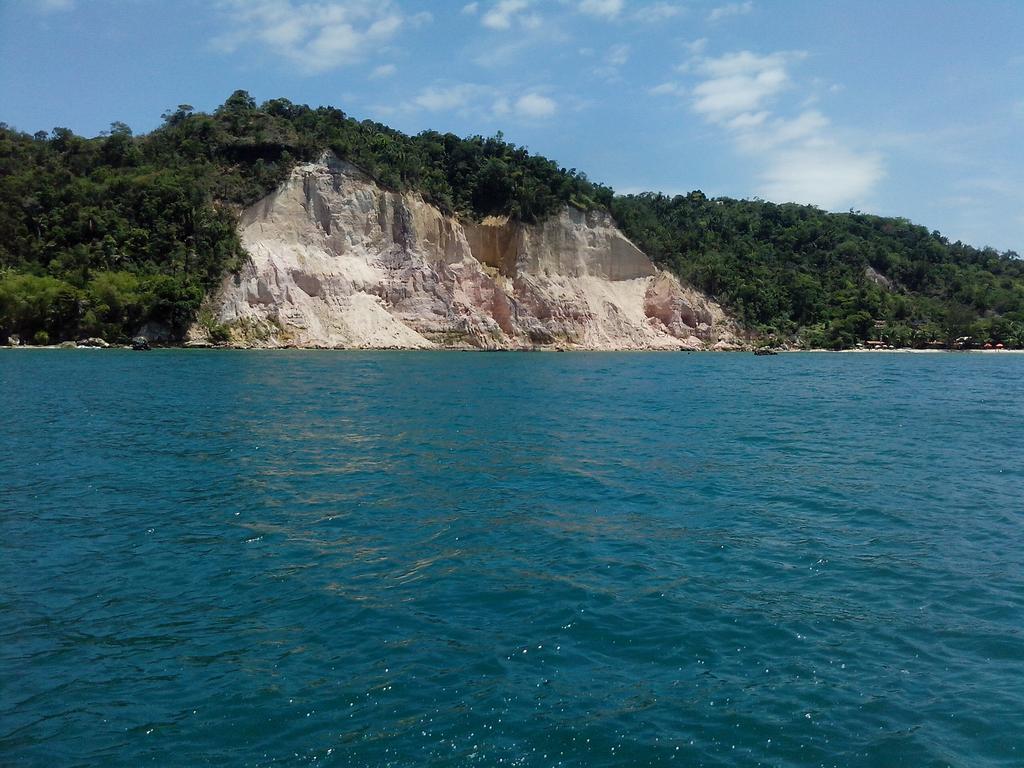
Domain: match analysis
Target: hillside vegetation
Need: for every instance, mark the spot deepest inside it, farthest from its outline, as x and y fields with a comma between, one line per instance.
x=831, y=279
x=101, y=236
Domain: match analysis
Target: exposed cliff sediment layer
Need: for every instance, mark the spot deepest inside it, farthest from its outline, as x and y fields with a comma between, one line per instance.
x=337, y=261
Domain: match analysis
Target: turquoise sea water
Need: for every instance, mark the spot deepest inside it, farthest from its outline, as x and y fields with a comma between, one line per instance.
x=404, y=559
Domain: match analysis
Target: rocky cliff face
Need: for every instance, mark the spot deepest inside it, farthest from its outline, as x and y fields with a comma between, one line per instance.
x=336, y=261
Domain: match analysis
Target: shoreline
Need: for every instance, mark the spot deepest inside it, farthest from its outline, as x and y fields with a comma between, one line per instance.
x=906, y=351
x=911, y=351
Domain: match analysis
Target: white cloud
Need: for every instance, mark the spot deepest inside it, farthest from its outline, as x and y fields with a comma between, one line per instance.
x=729, y=10
x=535, y=106
x=821, y=172
x=470, y=9
x=656, y=12
x=46, y=6
x=772, y=133
x=666, y=89
x=696, y=47
x=316, y=38
x=504, y=13
x=485, y=101
x=384, y=70
x=449, y=99
x=739, y=82
x=607, y=9
x=747, y=120
x=696, y=50
x=616, y=57
x=799, y=157
x=505, y=54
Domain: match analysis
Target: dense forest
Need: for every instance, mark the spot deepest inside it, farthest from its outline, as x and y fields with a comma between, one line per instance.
x=831, y=279
x=101, y=236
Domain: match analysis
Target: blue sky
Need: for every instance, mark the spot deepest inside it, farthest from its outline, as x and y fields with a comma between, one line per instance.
x=907, y=108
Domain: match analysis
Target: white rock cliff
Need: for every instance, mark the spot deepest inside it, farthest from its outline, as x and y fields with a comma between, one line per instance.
x=337, y=261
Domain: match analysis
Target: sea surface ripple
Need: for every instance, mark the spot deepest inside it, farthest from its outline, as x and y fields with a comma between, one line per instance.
x=404, y=559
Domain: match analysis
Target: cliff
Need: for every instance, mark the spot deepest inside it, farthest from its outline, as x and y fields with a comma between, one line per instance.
x=119, y=236
x=337, y=261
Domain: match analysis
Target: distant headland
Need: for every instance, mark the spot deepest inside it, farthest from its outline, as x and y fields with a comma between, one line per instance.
x=282, y=225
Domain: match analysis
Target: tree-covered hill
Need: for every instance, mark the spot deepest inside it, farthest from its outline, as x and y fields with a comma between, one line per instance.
x=831, y=279
x=100, y=236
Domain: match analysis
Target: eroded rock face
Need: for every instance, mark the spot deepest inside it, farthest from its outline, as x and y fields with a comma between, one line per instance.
x=337, y=261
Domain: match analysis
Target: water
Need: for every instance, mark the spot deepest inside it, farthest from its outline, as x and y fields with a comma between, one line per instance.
x=404, y=559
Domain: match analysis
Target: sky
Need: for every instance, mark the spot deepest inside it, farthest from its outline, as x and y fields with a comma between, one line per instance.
x=895, y=107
